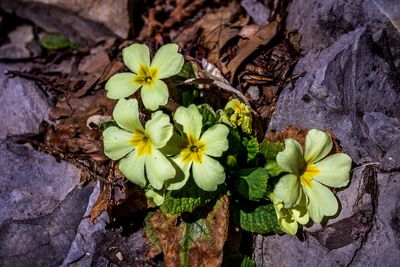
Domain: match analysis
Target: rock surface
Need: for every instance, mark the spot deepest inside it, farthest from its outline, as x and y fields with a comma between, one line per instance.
x=23, y=105
x=84, y=22
x=321, y=23
x=350, y=87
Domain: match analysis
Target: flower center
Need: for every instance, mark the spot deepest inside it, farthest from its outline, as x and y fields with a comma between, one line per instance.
x=194, y=150
x=310, y=172
x=146, y=75
x=142, y=142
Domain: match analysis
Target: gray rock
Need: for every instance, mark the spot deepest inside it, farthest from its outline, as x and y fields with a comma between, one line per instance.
x=256, y=10
x=23, y=105
x=21, y=44
x=84, y=22
x=351, y=88
x=41, y=206
x=54, y=18
x=343, y=83
x=391, y=8
x=112, y=14
x=321, y=23
x=88, y=235
x=32, y=183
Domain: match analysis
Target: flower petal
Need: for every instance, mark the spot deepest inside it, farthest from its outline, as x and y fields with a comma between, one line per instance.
x=121, y=85
x=126, y=114
x=216, y=140
x=208, y=174
x=133, y=168
x=158, y=169
x=155, y=95
x=291, y=159
x=191, y=120
x=159, y=129
x=321, y=202
x=288, y=226
x=299, y=212
x=318, y=145
x=182, y=174
x=158, y=196
x=168, y=61
x=136, y=55
x=117, y=142
x=288, y=190
x=334, y=171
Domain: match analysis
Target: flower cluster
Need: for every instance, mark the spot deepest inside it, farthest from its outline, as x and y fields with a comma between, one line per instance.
x=303, y=189
x=237, y=114
x=143, y=151
x=167, y=150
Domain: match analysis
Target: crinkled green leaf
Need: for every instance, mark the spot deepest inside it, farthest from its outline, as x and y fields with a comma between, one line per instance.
x=269, y=150
x=239, y=260
x=252, y=183
x=260, y=219
x=188, y=198
x=55, y=41
x=208, y=114
x=252, y=147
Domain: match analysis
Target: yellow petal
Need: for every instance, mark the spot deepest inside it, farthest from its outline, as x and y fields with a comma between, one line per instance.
x=321, y=202
x=126, y=115
x=216, y=140
x=190, y=119
x=117, y=142
x=208, y=174
x=168, y=61
x=288, y=190
x=159, y=129
x=133, y=168
x=291, y=159
x=158, y=169
x=155, y=95
x=136, y=55
x=121, y=85
x=318, y=145
x=334, y=171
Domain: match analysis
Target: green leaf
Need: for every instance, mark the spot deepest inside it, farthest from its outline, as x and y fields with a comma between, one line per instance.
x=252, y=147
x=188, y=198
x=187, y=71
x=238, y=260
x=55, y=41
x=259, y=219
x=107, y=124
x=209, y=118
x=269, y=150
x=252, y=183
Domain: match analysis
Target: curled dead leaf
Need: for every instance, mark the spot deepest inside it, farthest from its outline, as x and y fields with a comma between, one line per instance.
x=261, y=37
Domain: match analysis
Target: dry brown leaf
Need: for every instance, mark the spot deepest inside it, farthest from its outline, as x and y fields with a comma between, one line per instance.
x=262, y=37
x=218, y=28
x=202, y=249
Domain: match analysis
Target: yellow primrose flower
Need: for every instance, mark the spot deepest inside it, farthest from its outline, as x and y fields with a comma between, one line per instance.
x=289, y=218
x=237, y=114
x=309, y=172
x=167, y=62
x=139, y=147
x=196, y=151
